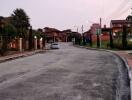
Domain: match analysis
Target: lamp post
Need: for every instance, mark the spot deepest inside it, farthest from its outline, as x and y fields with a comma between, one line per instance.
x=41, y=42
x=35, y=42
x=30, y=43
x=43, y=37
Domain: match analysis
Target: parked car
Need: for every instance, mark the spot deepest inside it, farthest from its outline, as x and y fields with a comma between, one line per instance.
x=54, y=46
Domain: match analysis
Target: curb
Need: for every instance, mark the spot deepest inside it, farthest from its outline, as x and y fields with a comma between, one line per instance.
x=98, y=49
x=129, y=70
x=21, y=55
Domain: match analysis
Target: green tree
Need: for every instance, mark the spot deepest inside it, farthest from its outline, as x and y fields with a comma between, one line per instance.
x=124, y=37
x=129, y=18
x=21, y=21
x=10, y=30
x=7, y=33
x=111, y=38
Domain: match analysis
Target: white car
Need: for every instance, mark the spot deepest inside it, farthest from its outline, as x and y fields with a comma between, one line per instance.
x=54, y=46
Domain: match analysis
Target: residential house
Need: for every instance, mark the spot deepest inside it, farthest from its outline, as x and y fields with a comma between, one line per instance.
x=105, y=33
x=117, y=25
x=67, y=35
x=91, y=35
x=52, y=34
x=55, y=35
x=94, y=28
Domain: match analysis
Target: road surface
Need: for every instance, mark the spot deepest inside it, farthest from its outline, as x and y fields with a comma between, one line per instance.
x=69, y=73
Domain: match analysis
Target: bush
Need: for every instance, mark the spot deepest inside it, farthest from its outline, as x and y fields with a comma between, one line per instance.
x=129, y=45
x=118, y=45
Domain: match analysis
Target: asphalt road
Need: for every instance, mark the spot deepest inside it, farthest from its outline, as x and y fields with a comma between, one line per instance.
x=69, y=73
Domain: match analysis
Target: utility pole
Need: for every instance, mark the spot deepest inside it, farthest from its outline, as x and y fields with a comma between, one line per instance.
x=100, y=32
x=83, y=38
x=30, y=43
x=82, y=29
x=77, y=29
x=98, y=40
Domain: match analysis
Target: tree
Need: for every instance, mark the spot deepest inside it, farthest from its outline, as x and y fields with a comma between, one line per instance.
x=10, y=30
x=30, y=39
x=124, y=37
x=111, y=39
x=90, y=38
x=129, y=18
x=7, y=33
x=98, y=39
x=21, y=21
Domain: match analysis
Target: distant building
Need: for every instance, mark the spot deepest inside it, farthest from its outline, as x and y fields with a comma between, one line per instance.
x=91, y=35
x=54, y=35
x=94, y=28
x=105, y=33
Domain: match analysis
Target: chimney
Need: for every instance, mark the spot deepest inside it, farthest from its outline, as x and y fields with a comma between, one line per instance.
x=104, y=26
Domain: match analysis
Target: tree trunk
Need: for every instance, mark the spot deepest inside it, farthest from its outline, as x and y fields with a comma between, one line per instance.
x=30, y=40
x=124, y=37
x=91, y=43
x=111, y=40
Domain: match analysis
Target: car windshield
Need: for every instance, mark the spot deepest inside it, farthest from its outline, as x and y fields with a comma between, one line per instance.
x=54, y=44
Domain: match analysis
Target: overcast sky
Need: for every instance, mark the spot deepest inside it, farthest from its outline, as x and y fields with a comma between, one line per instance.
x=68, y=14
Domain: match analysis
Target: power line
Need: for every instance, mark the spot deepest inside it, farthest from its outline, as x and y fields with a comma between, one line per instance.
x=118, y=15
x=119, y=10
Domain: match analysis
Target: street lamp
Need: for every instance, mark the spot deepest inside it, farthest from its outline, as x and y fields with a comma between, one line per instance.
x=35, y=37
x=35, y=42
x=44, y=35
x=30, y=38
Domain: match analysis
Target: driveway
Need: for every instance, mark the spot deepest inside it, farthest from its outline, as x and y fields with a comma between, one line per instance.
x=69, y=73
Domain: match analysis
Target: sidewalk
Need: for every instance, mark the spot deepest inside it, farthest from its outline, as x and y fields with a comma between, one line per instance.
x=19, y=55
x=127, y=57
x=23, y=54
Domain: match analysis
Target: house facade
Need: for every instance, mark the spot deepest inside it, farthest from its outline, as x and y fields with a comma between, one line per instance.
x=117, y=25
x=94, y=28
x=54, y=35
x=92, y=33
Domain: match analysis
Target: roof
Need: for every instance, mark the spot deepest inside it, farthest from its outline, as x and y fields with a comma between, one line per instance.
x=120, y=21
x=87, y=32
x=67, y=31
x=106, y=29
x=48, y=29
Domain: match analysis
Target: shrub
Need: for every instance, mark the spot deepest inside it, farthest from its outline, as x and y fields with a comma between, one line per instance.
x=118, y=44
x=129, y=45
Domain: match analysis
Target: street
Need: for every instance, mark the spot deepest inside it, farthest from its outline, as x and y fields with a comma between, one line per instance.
x=69, y=73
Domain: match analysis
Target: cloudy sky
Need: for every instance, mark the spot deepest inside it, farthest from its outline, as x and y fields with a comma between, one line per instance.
x=68, y=14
